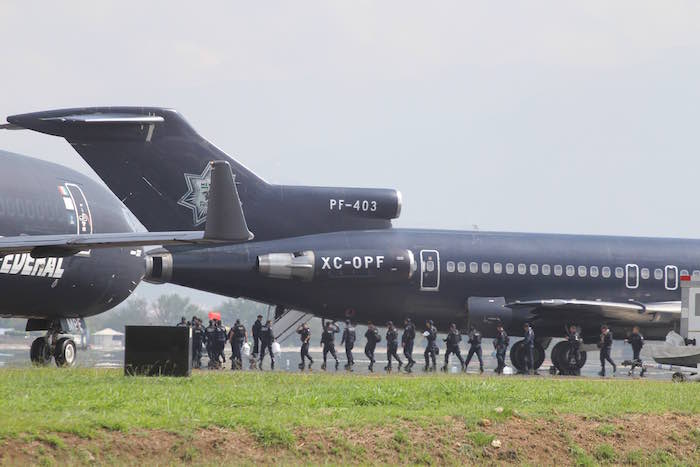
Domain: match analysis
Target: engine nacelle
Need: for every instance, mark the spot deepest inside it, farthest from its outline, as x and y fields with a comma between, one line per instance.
x=364, y=202
x=288, y=265
x=159, y=267
x=367, y=265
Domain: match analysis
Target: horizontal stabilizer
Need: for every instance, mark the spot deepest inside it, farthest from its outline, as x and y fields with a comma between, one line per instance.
x=67, y=245
x=135, y=119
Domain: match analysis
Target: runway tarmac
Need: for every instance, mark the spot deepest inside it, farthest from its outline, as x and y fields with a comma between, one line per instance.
x=18, y=356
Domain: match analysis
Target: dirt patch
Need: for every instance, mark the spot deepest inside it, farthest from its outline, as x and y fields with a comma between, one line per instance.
x=568, y=439
x=633, y=439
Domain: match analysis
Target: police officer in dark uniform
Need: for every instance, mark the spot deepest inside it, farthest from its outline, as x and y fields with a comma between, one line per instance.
x=220, y=338
x=266, y=340
x=500, y=343
x=373, y=337
x=573, y=358
x=454, y=337
x=475, y=348
x=210, y=342
x=407, y=339
x=197, y=340
x=605, y=345
x=349, y=340
x=431, y=347
x=223, y=338
x=182, y=323
x=636, y=340
x=392, y=345
x=328, y=343
x=529, y=342
x=257, y=325
x=237, y=336
x=305, y=336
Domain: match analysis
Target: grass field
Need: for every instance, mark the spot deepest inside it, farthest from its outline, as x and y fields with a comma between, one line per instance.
x=88, y=415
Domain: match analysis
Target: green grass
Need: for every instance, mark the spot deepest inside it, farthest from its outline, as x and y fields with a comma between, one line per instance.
x=580, y=457
x=605, y=453
x=271, y=405
x=606, y=429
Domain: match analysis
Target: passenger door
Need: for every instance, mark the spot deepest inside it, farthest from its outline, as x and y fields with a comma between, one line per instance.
x=671, y=277
x=430, y=270
x=632, y=276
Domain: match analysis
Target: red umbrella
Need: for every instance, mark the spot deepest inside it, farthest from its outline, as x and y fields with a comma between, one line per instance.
x=215, y=315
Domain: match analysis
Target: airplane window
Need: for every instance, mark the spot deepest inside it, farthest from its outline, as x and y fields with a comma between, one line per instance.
x=696, y=274
x=450, y=266
x=606, y=272
x=462, y=267
x=473, y=267
x=497, y=268
x=570, y=270
x=645, y=273
x=658, y=274
x=619, y=273
x=557, y=270
x=430, y=266
x=582, y=271
x=684, y=272
x=533, y=269
x=486, y=268
x=522, y=269
x=546, y=269
x=510, y=268
x=594, y=271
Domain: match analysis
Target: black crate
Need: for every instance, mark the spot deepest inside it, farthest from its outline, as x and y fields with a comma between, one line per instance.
x=158, y=351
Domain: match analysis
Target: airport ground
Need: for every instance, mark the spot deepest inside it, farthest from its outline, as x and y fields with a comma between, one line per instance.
x=88, y=415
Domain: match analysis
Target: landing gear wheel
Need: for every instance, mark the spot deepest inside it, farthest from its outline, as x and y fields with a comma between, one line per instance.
x=565, y=363
x=65, y=352
x=40, y=353
x=678, y=377
x=517, y=356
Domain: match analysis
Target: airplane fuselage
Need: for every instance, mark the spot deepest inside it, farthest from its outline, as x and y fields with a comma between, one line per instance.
x=440, y=273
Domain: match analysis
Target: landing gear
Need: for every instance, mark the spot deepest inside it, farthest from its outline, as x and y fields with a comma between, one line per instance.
x=40, y=353
x=566, y=363
x=517, y=356
x=64, y=352
x=54, y=345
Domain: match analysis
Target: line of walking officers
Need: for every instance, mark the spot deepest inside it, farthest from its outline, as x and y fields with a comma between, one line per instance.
x=214, y=338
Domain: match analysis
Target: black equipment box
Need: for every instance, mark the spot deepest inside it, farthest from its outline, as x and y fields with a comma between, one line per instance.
x=158, y=351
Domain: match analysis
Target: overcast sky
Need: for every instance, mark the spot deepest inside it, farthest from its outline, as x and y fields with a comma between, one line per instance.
x=574, y=117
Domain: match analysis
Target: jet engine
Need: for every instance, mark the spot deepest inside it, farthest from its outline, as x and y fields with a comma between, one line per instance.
x=159, y=267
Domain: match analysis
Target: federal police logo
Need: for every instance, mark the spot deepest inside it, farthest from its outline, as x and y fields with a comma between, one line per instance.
x=197, y=195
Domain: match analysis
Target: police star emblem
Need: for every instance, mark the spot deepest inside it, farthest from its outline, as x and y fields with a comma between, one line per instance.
x=197, y=194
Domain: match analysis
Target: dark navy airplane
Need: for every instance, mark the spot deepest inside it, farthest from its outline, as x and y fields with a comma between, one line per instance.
x=333, y=253
x=69, y=249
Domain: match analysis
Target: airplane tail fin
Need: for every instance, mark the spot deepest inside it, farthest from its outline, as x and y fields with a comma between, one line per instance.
x=159, y=166
x=151, y=158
